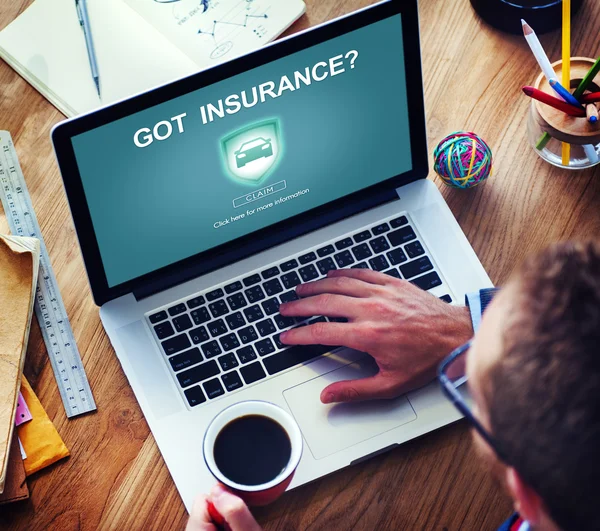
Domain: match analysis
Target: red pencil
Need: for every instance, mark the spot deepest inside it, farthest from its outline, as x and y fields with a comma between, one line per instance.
x=590, y=98
x=546, y=98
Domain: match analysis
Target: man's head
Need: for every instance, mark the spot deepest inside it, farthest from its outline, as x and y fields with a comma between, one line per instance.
x=534, y=372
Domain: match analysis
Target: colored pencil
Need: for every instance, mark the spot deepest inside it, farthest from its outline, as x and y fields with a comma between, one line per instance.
x=585, y=82
x=566, y=66
x=538, y=51
x=543, y=62
x=543, y=142
x=592, y=97
x=592, y=113
x=546, y=98
x=591, y=154
x=564, y=93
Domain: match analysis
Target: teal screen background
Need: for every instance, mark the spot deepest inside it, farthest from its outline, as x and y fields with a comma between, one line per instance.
x=154, y=206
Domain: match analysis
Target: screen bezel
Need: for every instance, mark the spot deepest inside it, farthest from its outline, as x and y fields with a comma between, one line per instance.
x=272, y=235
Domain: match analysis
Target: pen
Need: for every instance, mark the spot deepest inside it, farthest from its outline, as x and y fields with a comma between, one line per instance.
x=564, y=93
x=84, y=20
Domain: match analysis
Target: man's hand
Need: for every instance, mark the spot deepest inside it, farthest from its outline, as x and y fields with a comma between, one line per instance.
x=232, y=509
x=408, y=331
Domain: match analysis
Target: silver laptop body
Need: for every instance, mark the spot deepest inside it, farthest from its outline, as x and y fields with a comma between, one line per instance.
x=201, y=333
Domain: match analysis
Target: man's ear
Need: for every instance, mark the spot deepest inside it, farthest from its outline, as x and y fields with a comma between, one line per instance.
x=527, y=502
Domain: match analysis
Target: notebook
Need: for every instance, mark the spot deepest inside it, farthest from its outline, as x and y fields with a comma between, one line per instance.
x=139, y=44
x=19, y=263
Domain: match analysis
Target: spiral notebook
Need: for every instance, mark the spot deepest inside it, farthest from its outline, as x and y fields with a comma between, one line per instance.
x=139, y=44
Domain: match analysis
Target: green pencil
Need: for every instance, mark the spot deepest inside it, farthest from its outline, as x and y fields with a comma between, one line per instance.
x=543, y=141
x=585, y=82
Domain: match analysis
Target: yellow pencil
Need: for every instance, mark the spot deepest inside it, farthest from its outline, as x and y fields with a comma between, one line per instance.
x=566, y=65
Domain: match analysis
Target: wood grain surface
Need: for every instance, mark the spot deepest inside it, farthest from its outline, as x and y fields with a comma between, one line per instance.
x=116, y=479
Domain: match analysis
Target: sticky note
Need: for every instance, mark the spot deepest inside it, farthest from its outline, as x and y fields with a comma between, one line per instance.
x=23, y=413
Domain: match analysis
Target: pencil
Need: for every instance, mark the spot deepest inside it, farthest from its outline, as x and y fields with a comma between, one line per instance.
x=566, y=65
x=590, y=152
x=546, y=98
x=592, y=97
x=538, y=51
x=564, y=93
x=585, y=82
x=592, y=113
x=543, y=62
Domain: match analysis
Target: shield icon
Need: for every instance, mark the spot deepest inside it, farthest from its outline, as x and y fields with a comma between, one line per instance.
x=250, y=154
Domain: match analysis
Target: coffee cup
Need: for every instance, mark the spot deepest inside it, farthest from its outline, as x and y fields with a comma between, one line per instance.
x=253, y=448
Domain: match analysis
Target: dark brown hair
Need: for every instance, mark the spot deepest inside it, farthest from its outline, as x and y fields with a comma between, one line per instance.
x=544, y=397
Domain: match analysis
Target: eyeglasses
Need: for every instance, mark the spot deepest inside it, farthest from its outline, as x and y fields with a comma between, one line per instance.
x=453, y=379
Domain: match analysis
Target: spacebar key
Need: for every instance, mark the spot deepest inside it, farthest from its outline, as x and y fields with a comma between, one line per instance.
x=293, y=356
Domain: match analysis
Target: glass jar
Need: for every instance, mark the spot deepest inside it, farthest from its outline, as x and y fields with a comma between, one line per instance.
x=548, y=128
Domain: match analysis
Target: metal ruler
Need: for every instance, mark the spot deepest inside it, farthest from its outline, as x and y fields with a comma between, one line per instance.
x=49, y=307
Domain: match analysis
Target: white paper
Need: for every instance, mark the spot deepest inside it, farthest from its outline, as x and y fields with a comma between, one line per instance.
x=23, y=454
x=46, y=45
x=213, y=31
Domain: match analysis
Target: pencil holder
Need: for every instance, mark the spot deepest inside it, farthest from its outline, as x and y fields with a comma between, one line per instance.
x=548, y=128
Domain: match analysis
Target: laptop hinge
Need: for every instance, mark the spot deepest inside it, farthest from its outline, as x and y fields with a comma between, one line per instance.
x=206, y=265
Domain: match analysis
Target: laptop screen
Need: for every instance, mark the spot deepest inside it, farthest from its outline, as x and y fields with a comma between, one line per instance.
x=257, y=148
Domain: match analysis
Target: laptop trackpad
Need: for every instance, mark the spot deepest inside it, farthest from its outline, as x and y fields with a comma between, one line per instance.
x=329, y=428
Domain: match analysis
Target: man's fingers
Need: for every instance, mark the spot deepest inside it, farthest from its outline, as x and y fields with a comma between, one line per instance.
x=332, y=334
x=324, y=304
x=199, y=518
x=233, y=509
x=366, y=275
x=340, y=285
x=362, y=389
x=376, y=387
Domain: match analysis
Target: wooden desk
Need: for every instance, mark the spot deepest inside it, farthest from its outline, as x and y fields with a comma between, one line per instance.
x=116, y=479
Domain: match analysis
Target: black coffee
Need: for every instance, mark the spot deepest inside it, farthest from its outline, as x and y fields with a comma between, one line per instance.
x=252, y=450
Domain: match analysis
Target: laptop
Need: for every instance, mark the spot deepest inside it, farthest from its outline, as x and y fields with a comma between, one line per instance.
x=200, y=206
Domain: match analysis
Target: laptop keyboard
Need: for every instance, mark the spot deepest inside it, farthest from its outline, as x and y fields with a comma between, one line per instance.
x=227, y=338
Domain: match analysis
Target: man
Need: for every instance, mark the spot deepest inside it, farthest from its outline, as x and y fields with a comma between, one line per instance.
x=533, y=372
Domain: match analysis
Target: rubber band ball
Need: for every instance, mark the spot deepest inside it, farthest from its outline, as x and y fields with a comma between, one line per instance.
x=463, y=160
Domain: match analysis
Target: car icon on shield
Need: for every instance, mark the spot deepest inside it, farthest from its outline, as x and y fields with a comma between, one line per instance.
x=253, y=150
